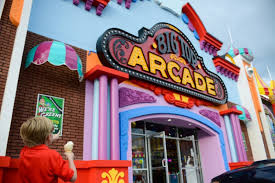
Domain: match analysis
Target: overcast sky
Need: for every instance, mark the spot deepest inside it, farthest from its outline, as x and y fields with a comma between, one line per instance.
x=252, y=25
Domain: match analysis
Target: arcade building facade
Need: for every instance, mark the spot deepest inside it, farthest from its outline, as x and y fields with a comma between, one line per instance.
x=143, y=97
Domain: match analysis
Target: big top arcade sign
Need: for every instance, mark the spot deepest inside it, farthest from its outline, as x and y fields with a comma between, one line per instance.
x=164, y=56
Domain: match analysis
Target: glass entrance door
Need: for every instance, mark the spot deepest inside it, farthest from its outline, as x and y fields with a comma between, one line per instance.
x=189, y=163
x=173, y=160
x=158, y=158
x=161, y=154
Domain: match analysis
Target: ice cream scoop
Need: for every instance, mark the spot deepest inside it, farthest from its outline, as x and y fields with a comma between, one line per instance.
x=69, y=146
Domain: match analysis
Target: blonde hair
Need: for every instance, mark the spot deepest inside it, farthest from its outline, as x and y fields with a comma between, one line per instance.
x=36, y=130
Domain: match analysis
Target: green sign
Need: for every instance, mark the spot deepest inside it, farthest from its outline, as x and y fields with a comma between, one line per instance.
x=52, y=108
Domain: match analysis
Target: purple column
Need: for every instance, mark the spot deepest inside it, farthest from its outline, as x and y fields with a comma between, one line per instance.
x=236, y=136
x=227, y=146
x=103, y=97
x=115, y=150
x=244, y=156
x=88, y=121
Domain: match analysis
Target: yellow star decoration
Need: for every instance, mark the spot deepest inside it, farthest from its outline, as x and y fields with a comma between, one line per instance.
x=113, y=176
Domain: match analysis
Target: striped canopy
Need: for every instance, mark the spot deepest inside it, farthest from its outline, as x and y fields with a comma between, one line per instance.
x=264, y=89
x=57, y=53
x=272, y=87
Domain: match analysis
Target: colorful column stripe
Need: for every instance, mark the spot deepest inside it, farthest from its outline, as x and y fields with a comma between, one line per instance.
x=103, y=135
x=95, y=121
x=102, y=140
x=115, y=147
x=243, y=152
x=230, y=139
x=236, y=136
x=108, y=123
x=88, y=121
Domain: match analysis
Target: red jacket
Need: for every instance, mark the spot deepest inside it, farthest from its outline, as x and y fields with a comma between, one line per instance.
x=41, y=164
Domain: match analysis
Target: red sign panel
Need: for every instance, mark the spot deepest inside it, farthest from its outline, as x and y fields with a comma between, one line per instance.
x=162, y=55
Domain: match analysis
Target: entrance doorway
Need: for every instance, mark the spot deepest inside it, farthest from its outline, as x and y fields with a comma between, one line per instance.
x=164, y=154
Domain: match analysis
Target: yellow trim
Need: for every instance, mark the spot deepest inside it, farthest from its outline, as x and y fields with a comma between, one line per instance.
x=174, y=28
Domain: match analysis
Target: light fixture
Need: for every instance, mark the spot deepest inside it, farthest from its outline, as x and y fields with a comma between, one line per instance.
x=249, y=70
x=189, y=124
x=169, y=119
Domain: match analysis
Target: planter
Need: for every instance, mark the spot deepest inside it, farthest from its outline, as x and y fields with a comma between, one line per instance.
x=94, y=171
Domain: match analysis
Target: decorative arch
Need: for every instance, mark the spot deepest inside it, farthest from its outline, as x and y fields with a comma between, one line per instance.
x=195, y=19
x=125, y=116
x=207, y=42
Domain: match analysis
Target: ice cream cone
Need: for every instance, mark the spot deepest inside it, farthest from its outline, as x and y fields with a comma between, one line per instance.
x=69, y=146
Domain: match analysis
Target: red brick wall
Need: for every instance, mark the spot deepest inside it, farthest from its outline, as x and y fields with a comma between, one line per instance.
x=7, y=35
x=51, y=80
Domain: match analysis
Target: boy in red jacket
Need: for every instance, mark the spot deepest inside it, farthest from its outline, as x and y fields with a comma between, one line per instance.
x=39, y=163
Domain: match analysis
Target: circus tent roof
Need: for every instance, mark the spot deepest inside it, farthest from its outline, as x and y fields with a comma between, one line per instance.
x=263, y=88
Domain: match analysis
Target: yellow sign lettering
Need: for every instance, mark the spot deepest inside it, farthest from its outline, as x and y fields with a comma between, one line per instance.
x=199, y=85
x=170, y=67
x=157, y=63
x=187, y=78
x=210, y=86
x=137, y=58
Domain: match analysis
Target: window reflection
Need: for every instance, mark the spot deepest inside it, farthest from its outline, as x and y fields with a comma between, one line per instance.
x=138, y=127
x=154, y=127
x=138, y=152
x=140, y=176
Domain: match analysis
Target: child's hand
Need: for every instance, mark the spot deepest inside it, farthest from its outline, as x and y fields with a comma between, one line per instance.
x=69, y=155
x=56, y=136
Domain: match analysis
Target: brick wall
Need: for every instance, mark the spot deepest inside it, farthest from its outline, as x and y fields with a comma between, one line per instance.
x=56, y=81
x=7, y=36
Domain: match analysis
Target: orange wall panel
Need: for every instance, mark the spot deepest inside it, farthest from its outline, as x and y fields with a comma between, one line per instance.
x=16, y=11
x=256, y=102
x=92, y=61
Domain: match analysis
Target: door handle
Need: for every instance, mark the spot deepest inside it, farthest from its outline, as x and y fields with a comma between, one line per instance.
x=164, y=163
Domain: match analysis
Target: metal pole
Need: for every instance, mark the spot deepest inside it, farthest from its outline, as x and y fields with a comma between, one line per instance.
x=165, y=158
x=195, y=158
x=179, y=159
x=150, y=160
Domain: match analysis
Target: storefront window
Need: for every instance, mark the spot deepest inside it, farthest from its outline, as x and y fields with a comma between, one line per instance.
x=244, y=142
x=139, y=158
x=154, y=127
x=272, y=129
x=140, y=176
x=138, y=152
x=138, y=127
x=183, y=132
